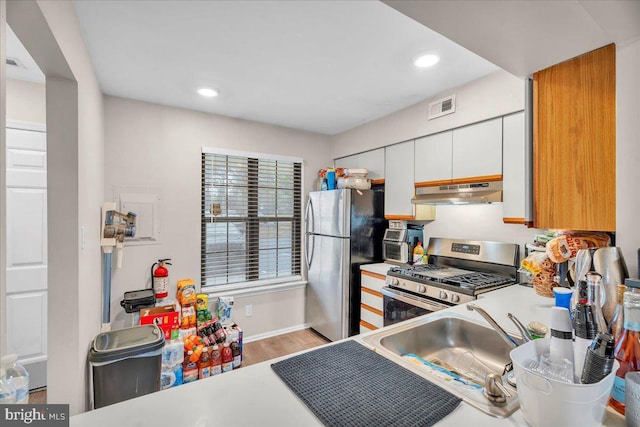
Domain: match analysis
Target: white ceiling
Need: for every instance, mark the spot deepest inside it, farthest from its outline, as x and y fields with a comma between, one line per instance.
x=523, y=37
x=322, y=66
x=326, y=66
x=16, y=50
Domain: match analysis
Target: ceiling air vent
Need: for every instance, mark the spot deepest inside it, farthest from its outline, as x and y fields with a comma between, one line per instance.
x=442, y=107
x=13, y=62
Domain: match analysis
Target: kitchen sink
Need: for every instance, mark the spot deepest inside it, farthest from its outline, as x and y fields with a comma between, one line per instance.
x=456, y=344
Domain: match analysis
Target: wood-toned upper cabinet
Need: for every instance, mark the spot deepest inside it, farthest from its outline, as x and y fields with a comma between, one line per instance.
x=433, y=158
x=574, y=159
x=513, y=169
x=372, y=160
x=477, y=150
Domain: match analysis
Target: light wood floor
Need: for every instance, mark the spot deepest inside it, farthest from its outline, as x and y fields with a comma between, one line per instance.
x=253, y=352
x=281, y=345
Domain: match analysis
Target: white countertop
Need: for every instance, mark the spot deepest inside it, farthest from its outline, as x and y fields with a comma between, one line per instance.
x=379, y=268
x=255, y=396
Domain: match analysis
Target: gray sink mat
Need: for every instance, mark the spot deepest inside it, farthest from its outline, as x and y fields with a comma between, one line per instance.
x=349, y=385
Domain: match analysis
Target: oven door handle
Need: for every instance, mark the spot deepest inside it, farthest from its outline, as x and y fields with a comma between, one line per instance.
x=409, y=299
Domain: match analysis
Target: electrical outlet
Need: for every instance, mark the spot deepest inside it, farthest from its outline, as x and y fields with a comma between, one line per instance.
x=248, y=310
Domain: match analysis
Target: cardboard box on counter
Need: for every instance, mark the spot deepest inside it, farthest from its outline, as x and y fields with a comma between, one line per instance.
x=166, y=317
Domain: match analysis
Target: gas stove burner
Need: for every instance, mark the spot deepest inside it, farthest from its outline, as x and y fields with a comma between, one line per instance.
x=413, y=270
x=416, y=267
x=477, y=280
x=427, y=267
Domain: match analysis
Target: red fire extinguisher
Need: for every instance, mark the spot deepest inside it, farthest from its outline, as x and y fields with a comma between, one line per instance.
x=160, y=278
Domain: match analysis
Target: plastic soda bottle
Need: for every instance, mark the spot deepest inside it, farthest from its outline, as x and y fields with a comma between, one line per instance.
x=418, y=253
x=235, y=352
x=18, y=376
x=7, y=392
x=216, y=360
x=204, y=365
x=227, y=358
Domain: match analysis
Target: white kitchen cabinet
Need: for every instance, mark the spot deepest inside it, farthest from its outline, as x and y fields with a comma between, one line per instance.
x=399, y=186
x=477, y=150
x=372, y=160
x=371, y=306
x=346, y=162
x=513, y=169
x=399, y=180
x=365, y=327
x=433, y=160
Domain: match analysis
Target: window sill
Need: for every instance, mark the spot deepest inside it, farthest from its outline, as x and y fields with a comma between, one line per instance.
x=251, y=289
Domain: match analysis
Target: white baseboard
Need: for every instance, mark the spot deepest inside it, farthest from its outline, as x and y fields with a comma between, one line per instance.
x=275, y=333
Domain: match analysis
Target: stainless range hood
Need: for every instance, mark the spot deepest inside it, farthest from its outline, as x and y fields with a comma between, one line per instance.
x=481, y=192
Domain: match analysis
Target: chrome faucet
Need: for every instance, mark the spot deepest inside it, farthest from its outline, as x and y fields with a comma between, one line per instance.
x=526, y=336
x=510, y=341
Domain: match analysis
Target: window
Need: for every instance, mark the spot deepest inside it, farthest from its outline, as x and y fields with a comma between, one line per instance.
x=251, y=217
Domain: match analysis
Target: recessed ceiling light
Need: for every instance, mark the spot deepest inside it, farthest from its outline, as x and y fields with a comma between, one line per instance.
x=208, y=92
x=426, y=60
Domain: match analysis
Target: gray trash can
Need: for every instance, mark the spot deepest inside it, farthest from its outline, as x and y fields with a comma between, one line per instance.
x=125, y=364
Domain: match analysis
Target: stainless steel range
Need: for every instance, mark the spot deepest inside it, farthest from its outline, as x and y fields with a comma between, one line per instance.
x=458, y=271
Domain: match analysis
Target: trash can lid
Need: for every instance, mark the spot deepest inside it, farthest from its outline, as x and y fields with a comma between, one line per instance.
x=126, y=342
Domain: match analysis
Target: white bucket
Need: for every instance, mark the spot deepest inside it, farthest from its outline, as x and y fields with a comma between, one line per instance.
x=546, y=402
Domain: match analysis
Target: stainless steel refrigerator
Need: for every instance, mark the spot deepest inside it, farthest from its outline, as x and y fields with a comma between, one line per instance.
x=344, y=229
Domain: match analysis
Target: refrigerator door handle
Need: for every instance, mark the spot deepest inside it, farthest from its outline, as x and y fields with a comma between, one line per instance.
x=309, y=215
x=308, y=258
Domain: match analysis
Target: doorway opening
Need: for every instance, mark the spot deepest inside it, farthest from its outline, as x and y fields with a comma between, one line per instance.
x=26, y=213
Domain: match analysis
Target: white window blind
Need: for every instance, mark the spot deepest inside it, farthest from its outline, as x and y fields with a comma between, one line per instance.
x=251, y=218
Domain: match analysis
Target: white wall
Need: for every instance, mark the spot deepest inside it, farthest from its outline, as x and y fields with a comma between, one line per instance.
x=26, y=101
x=149, y=145
x=628, y=152
x=51, y=33
x=64, y=24
x=477, y=222
x=495, y=95
x=3, y=167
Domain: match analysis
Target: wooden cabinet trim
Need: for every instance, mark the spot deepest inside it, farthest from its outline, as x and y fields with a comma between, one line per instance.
x=377, y=181
x=475, y=179
x=372, y=292
x=368, y=325
x=371, y=309
x=432, y=183
x=513, y=220
x=399, y=217
x=470, y=180
x=375, y=275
